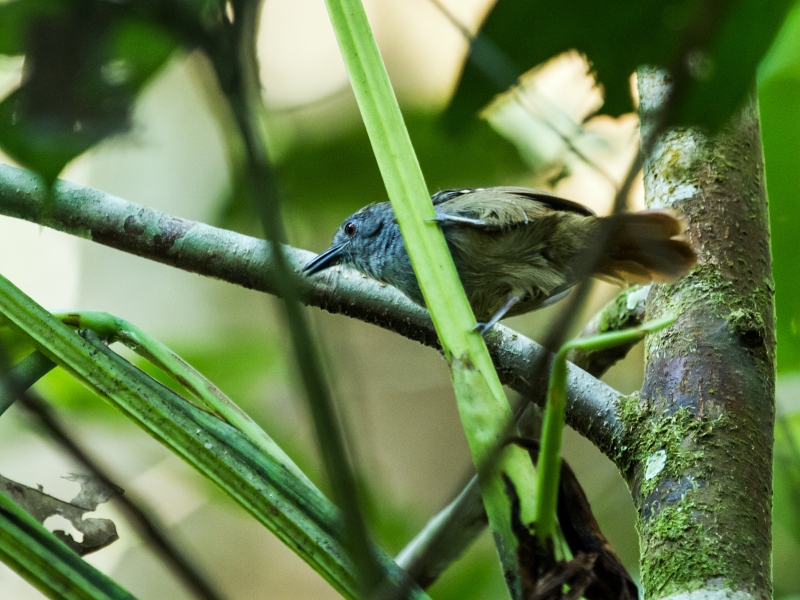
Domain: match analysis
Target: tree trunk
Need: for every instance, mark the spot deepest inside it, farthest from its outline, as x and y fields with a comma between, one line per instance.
x=699, y=435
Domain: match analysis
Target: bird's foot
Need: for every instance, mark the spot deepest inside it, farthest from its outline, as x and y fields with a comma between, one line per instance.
x=483, y=328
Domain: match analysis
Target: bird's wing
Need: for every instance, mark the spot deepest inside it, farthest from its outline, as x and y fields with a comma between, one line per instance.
x=549, y=200
x=499, y=208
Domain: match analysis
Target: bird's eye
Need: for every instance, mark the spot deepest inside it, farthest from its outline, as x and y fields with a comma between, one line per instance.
x=350, y=229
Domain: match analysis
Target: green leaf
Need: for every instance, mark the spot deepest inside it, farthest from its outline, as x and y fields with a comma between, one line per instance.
x=85, y=64
x=47, y=563
x=787, y=474
x=136, y=50
x=726, y=40
x=779, y=102
x=45, y=143
x=261, y=483
x=783, y=59
x=21, y=377
x=211, y=398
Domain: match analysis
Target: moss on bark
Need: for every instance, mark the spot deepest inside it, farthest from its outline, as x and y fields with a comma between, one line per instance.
x=697, y=452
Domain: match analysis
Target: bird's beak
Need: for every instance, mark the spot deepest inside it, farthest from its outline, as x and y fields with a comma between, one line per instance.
x=332, y=256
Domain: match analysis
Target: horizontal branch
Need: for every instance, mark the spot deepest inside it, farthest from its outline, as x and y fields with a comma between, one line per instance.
x=246, y=261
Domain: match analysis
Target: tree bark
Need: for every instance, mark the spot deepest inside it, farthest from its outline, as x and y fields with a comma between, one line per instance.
x=592, y=406
x=699, y=435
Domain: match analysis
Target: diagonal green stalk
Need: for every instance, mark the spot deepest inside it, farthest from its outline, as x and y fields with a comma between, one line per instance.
x=549, y=464
x=482, y=404
x=114, y=329
x=260, y=482
x=236, y=66
x=47, y=563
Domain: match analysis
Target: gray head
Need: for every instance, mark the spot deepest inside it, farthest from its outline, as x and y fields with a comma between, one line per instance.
x=360, y=242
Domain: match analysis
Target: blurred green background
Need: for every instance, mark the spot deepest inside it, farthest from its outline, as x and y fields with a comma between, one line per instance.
x=395, y=395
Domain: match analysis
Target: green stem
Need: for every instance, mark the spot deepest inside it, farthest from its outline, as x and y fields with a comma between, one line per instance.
x=482, y=404
x=549, y=464
x=238, y=76
x=115, y=329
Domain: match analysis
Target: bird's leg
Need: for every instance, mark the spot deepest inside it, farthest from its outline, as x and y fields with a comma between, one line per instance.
x=482, y=328
x=443, y=220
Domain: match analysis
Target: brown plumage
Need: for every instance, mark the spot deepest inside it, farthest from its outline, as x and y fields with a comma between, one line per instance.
x=516, y=249
x=647, y=246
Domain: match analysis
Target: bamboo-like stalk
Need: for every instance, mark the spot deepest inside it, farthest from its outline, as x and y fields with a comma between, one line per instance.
x=482, y=404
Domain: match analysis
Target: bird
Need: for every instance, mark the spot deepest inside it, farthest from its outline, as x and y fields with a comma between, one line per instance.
x=516, y=249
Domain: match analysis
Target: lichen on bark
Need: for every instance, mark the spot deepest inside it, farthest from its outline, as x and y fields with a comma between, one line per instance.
x=697, y=452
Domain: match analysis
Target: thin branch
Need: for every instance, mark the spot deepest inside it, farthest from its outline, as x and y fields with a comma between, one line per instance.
x=624, y=311
x=239, y=81
x=248, y=262
x=144, y=521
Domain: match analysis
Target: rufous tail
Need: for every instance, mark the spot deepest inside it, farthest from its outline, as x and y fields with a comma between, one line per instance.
x=647, y=246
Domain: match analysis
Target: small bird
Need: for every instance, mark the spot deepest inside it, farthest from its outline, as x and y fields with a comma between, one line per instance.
x=516, y=249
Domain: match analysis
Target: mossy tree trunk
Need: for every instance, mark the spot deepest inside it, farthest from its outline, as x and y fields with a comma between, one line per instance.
x=699, y=436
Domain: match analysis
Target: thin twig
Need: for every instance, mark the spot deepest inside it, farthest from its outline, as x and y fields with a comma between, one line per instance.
x=239, y=82
x=624, y=311
x=523, y=99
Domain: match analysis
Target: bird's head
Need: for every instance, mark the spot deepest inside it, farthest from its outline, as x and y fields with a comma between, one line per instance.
x=357, y=241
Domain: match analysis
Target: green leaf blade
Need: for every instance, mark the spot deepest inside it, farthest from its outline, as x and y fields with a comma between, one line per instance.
x=47, y=563
x=288, y=506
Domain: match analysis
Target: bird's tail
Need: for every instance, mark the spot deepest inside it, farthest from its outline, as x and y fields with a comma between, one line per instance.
x=647, y=246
